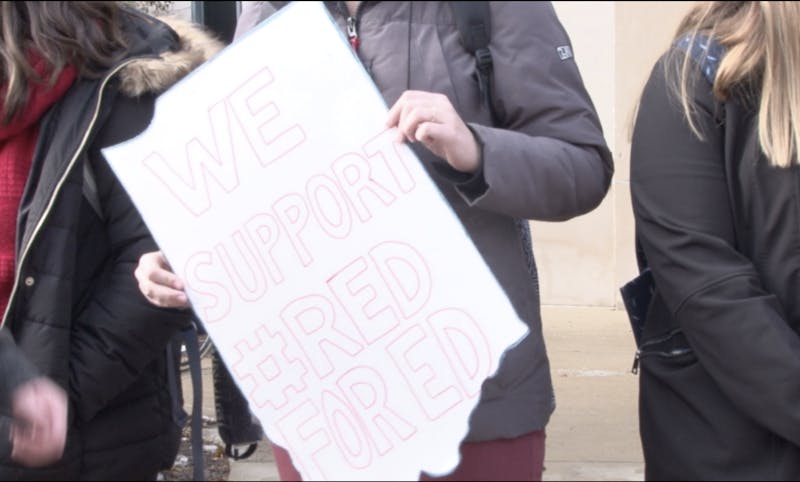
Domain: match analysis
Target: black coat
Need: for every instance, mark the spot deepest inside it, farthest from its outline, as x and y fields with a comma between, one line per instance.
x=720, y=227
x=75, y=309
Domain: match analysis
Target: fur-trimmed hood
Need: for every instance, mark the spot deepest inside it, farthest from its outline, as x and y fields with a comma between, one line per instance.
x=155, y=75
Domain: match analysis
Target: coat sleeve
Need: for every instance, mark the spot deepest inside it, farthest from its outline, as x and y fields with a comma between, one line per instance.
x=119, y=332
x=548, y=159
x=684, y=220
x=15, y=369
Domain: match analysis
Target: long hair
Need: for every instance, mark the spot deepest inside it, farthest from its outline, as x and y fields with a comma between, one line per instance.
x=84, y=35
x=762, y=44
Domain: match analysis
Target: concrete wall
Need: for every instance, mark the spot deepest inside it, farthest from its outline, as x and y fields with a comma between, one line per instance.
x=583, y=262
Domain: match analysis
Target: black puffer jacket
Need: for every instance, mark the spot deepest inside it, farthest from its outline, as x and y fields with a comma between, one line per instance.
x=75, y=309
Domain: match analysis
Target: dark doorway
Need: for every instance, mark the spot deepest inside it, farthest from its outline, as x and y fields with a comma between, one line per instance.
x=219, y=17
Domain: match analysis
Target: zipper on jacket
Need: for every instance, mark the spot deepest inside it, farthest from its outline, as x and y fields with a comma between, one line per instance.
x=59, y=185
x=352, y=22
x=352, y=32
x=636, y=357
x=672, y=353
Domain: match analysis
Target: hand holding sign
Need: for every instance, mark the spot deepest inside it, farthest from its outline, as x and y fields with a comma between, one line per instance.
x=431, y=119
x=158, y=283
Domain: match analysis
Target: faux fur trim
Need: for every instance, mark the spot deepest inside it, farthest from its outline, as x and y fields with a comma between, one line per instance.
x=158, y=74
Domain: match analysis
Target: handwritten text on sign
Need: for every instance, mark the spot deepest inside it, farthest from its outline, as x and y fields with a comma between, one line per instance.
x=337, y=284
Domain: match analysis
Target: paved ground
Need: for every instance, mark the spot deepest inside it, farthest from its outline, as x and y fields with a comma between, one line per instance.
x=593, y=434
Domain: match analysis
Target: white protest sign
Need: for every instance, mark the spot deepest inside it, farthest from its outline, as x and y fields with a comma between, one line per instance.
x=337, y=284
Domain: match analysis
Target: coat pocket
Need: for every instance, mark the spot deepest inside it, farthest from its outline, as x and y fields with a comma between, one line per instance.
x=690, y=429
x=672, y=346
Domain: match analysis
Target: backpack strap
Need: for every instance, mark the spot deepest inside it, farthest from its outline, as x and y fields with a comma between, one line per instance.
x=473, y=20
x=187, y=338
x=192, y=344
x=236, y=424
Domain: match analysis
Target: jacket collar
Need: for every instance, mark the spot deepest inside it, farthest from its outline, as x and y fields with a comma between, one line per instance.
x=161, y=69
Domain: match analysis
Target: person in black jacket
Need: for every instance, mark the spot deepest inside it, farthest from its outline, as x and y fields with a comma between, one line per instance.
x=76, y=77
x=714, y=181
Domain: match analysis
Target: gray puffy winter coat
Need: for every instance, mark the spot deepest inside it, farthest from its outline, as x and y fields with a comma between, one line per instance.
x=545, y=159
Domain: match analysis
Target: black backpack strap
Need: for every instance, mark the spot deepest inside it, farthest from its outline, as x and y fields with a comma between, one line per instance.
x=193, y=353
x=236, y=424
x=473, y=20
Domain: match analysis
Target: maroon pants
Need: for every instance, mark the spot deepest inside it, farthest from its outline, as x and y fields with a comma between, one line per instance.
x=521, y=458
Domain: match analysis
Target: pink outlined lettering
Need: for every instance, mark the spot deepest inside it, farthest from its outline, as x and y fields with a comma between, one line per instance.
x=253, y=286
x=264, y=233
x=339, y=228
x=467, y=349
x=394, y=257
x=292, y=212
x=365, y=389
x=303, y=429
x=411, y=352
x=365, y=299
x=192, y=187
x=276, y=375
x=383, y=146
x=220, y=308
x=256, y=114
x=347, y=431
x=306, y=317
x=354, y=175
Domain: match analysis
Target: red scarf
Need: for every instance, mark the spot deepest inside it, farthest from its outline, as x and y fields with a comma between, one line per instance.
x=17, y=142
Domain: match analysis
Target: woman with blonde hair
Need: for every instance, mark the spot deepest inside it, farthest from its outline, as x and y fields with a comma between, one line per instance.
x=716, y=198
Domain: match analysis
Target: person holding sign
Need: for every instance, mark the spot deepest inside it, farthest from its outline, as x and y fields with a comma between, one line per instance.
x=76, y=77
x=527, y=146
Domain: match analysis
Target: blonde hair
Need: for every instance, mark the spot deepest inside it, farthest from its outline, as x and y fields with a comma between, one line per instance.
x=762, y=52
